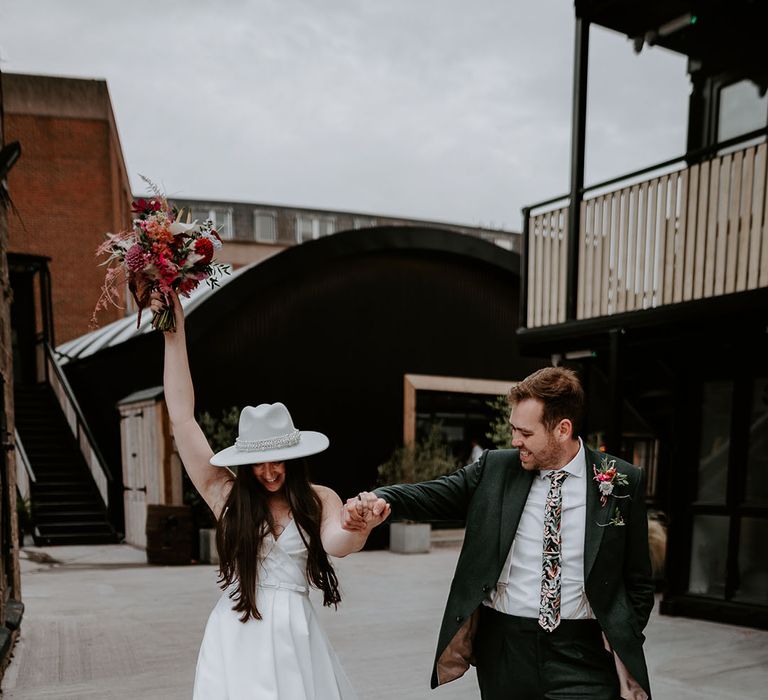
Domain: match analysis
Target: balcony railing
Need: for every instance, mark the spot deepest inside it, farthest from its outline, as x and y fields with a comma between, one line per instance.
x=697, y=232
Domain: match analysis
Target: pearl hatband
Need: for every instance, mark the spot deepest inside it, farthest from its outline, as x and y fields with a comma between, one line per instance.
x=287, y=440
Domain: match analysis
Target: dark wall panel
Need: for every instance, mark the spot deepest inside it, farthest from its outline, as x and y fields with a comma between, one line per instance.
x=330, y=330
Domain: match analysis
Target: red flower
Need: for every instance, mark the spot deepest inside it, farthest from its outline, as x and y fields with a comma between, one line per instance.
x=145, y=206
x=204, y=248
x=188, y=285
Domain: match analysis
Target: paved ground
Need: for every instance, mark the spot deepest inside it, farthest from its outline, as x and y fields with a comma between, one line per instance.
x=102, y=624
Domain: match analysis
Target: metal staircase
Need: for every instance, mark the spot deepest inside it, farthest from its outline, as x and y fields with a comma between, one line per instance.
x=67, y=507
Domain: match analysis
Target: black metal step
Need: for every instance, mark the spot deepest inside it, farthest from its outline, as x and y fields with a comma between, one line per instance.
x=54, y=485
x=69, y=515
x=62, y=504
x=49, y=494
x=45, y=478
x=73, y=527
x=60, y=478
x=65, y=455
x=40, y=501
x=66, y=506
x=81, y=538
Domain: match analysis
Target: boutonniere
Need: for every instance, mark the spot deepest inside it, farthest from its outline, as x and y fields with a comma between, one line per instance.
x=608, y=477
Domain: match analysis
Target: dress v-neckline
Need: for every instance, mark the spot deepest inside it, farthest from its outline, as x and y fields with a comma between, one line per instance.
x=285, y=529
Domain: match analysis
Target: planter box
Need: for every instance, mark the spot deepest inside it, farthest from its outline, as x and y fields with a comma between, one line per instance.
x=409, y=538
x=208, y=552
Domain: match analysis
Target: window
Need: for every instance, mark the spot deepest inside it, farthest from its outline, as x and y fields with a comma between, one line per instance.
x=729, y=507
x=756, y=492
x=265, y=226
x=309, y=227
x=220, y=216
x=742, y=109
x=363, y=222
x=305, y=229
x=709, y=554
x=327, y=225
x=715, y=442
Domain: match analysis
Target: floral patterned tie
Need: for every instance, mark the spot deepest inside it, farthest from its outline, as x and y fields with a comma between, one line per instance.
x=549, y=604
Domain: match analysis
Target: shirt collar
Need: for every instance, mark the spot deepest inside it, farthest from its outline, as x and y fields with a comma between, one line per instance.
x=575, y=467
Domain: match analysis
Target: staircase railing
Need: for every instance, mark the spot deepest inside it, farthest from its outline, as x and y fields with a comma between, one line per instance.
x=77, y=423
x=25, y=475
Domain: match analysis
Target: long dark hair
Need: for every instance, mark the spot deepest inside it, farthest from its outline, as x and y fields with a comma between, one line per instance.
x=246, y=520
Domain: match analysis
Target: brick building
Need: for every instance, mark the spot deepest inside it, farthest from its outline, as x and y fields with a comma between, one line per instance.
x=11, y=607
x=255, y=231
x=70, y=187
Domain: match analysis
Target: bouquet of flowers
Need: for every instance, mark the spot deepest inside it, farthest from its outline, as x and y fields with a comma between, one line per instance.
x=159, y=252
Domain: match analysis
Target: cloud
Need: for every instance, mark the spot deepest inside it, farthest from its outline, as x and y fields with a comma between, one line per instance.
x=432, y=109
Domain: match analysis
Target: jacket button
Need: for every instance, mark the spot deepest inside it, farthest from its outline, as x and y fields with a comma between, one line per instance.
x=459, y=618
x=486, y=588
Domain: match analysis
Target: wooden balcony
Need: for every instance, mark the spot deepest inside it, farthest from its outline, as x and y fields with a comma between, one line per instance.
x=695, y=233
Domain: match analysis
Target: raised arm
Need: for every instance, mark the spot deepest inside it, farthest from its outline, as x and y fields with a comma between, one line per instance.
x=212, y=483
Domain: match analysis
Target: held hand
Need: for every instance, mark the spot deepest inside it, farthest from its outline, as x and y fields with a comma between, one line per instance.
x=159, y=302
x=364, y=512
x=351, y=518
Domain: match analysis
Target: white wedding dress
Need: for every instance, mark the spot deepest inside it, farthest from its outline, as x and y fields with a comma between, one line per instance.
x=283, y=656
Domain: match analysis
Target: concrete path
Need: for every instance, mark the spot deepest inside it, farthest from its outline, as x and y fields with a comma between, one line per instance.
x=101, y=623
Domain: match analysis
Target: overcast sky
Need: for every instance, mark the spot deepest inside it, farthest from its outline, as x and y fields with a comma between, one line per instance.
x=434, y=109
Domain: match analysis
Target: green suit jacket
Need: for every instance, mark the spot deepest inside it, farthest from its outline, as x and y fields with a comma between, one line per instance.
x=490, y=495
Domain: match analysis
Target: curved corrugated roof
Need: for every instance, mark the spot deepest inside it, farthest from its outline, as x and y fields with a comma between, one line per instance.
x=298, y=260
x=125, y=328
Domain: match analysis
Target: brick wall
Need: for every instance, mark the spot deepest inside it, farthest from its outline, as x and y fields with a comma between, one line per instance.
x=10, y=575
x=69, y=188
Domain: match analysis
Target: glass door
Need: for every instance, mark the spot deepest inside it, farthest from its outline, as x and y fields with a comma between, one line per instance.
x=729, y=511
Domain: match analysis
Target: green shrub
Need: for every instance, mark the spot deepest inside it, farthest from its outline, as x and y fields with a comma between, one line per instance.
x=500, y=432
x=426, y=459
x=220, y=431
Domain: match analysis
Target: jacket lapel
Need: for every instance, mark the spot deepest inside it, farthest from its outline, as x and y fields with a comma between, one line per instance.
x=597, y=515
x=516, y=487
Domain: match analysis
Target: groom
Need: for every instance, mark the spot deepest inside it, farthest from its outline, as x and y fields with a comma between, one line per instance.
x=553, y=587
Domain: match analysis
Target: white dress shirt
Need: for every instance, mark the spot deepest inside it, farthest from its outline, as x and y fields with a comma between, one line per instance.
x=519, y=587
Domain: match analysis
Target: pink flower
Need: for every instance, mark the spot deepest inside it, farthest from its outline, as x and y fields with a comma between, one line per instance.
x=607, y=477
x=135, y=260
x=168, y=271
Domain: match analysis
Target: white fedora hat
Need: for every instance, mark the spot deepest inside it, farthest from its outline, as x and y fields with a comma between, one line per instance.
x=266, y=434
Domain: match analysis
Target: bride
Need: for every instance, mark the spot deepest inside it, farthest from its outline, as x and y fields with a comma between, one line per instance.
x=274, y=533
